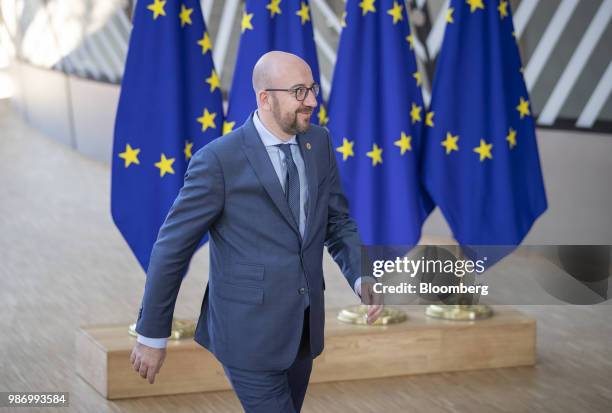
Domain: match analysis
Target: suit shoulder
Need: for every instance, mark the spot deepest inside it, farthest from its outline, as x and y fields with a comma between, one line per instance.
x=318, y=132
x=225, y=144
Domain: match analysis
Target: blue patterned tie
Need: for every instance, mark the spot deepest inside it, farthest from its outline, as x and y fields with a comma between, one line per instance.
x=292, y=183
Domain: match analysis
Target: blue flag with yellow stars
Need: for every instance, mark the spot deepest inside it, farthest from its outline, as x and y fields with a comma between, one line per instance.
x=481, y=163
x=376, y=119
x=170, y=106
x=268, y=25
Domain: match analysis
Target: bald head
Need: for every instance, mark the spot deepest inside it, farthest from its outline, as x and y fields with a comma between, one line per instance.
x=280, y=110
x=275, y=67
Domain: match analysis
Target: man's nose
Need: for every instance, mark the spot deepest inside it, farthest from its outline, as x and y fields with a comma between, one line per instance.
x=311, y=99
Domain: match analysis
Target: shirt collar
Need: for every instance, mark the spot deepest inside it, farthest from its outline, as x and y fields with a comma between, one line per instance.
x=267, y=137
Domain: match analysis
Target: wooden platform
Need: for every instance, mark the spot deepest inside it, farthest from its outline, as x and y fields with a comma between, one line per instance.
x=419, y=345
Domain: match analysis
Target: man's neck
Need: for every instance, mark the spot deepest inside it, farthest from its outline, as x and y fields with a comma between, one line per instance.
x=273, y=128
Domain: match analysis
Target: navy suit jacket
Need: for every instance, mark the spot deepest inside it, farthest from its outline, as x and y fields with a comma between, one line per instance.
x=260, y=268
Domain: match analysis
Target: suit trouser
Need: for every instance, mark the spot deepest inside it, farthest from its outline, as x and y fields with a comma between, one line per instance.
x=275, y=391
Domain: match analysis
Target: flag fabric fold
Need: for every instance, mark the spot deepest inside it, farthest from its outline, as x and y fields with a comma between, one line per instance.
x=481, y=164
x=265, y=26
x=376, y=118
x=170, y=106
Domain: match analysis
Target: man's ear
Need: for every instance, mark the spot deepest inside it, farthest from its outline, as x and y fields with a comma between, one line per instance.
x=264, y=100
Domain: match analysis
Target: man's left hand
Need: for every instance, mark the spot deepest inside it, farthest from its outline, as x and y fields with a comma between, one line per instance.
x=374, y=301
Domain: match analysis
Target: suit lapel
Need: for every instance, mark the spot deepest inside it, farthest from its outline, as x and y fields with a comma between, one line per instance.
x=311, y=177
x=259, y=159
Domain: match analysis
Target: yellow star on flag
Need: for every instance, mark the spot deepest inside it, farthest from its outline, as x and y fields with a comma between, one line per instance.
x=130, y=155
x=523, y=107
x=429, y=119
x=207, y=120
x=213, y=81
x=417, y=76
x=484, y=150
x=185, y=15
x=157, y=7
x=346, y=149
x=396, y=12
x=410, y=40
x=511, y=138
x=375, y=154
x=274, y=7
x=187, y=150
x=404, y=143
x=367, y=6
x=503, y=9
x=323, y=119
x=415, y=113
x=450, y=143
x=246, y=22
x=449, y=15
x=475, y=4
x=165, y=165
x=205, y=43
x=343, y=20
x=303, y=12
x=227, y=127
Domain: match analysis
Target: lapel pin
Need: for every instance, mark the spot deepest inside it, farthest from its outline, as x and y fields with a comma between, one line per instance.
x=308, y=145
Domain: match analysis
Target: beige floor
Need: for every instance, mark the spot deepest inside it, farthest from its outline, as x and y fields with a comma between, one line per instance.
x=64, y=264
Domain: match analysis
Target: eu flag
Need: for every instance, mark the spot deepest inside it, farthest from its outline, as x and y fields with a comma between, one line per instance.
x=266, y=26
x=481, y=163
x=170, y=106
x=376, y=118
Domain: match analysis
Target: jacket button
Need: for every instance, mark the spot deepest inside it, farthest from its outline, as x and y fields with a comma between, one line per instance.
x=302, y=290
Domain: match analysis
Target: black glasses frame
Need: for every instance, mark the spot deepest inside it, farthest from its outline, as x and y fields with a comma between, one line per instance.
x=315, y=88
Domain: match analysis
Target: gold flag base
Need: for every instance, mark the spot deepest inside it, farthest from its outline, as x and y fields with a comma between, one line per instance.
x=180, y=329
x=459, y=312
x=359, y=315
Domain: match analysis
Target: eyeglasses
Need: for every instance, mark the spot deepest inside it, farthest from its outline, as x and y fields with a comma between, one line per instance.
x=300, y=92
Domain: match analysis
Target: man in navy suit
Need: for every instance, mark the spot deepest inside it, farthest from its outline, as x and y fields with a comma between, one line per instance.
x=270, y=196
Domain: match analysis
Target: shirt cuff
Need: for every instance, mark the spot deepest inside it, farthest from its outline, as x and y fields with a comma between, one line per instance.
x=153, y=342
x=357, y=286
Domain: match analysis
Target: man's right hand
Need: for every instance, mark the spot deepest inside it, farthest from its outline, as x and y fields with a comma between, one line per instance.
x=147, y=361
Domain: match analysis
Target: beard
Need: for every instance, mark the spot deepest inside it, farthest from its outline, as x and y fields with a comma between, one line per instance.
x=290, y=122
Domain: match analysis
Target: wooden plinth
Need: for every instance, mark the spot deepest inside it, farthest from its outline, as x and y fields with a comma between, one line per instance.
x=419, y=345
